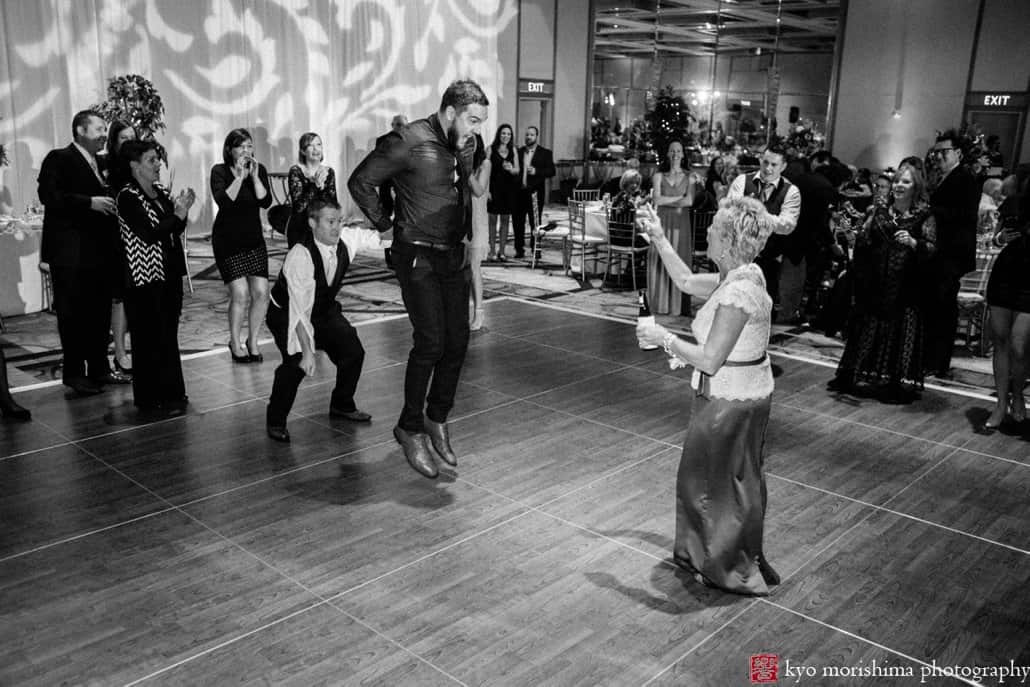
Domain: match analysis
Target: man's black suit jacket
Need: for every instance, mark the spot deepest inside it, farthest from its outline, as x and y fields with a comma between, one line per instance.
x=543, y=164
x=812, y=231
x=74, y=235
x=954, y=204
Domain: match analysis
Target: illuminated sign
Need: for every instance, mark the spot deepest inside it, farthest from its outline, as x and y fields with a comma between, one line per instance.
x=977, y=99
x=535, y=87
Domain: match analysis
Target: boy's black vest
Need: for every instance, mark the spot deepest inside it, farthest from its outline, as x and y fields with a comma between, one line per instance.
x=325, y=291
x=776, y=243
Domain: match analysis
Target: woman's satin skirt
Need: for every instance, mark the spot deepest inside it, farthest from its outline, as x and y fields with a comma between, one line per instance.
x=720, y=494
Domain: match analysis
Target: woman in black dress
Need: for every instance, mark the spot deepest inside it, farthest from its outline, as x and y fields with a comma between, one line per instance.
x=117, y=176
x=240, y=189
x=504, y=188
x=151, y=225
x=885, y=329
x=1008, y=296
x=308, y=180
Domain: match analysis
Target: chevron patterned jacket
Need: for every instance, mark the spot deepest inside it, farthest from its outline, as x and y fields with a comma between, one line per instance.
x=147, y=227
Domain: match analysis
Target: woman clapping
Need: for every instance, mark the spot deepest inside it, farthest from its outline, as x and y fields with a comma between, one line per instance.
x=151, y=224
x=240, y=188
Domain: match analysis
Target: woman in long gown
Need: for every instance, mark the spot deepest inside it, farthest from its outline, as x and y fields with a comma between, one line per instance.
x=885, y=329
x=673, y=194
x=720, y=486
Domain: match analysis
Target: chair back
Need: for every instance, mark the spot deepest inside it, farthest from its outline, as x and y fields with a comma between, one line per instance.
x=700, y=220
x=622, y=228
x=577, y=218
x=976, y=281
x=586, y=194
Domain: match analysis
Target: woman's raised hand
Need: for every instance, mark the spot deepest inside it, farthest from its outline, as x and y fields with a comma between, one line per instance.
x=648, y=219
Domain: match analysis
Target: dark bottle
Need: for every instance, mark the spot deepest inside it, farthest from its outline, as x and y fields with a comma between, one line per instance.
x=644, y=316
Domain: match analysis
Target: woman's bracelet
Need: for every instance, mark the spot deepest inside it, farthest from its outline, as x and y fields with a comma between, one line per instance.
x=667, y=344
x=995, y=241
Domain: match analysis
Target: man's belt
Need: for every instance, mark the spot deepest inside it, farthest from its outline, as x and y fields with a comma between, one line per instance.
x=431, y=245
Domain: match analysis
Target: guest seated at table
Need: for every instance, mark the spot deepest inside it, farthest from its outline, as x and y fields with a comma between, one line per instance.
x=626, y=202
x=1008, y=296
x=885, y=329
x=151, y=225
x=8, y=408
x=990, y=200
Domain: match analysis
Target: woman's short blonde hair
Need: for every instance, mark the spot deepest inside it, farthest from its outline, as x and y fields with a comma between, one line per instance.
x=743, y=225
x=628, y=177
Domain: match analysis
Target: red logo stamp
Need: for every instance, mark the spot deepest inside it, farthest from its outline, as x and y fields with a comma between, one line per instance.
x=764, y=668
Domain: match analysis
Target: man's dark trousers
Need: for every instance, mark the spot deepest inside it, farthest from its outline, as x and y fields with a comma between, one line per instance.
x=82, y=300
x=334, y=335
x=435, y=287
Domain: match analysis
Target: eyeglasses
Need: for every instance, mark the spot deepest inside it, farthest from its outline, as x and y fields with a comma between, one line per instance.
x=940, y=151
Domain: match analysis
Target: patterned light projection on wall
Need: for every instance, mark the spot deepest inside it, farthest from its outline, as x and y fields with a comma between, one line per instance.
x=341, y=68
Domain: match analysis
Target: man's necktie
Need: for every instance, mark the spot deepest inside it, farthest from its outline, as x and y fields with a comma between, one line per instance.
x=96, y=168
x=330, y=268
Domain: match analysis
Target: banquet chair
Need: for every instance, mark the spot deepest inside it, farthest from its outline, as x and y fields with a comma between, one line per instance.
x=586, y=194
x=546, y=232
x=186, y=259
x=47, y=282
x=972, y=303
x=700, y=220
x=584, y=237
x=622, y=243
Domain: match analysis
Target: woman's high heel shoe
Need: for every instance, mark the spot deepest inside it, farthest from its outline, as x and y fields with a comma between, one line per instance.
x=121, y=368
x=14, y=411
x=254, y=357
x=238, y=358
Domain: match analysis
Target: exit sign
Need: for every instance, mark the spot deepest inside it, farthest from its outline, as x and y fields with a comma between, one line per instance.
x=979, y=99
x=536, y=87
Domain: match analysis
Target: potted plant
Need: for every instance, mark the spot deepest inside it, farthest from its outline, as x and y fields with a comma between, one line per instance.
x=133, y=99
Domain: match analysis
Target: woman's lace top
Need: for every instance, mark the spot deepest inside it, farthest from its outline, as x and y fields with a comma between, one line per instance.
x=744, y=288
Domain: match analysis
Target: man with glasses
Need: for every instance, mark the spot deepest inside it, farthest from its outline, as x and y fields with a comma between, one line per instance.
x=954, y=203
x=782, y=201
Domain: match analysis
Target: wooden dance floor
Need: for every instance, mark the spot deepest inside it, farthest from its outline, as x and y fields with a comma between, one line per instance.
x=195, y=551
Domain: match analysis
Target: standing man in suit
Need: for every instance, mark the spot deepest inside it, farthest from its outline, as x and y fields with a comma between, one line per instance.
x=79, y=234
x=537, y=167
x=954, y=204
x=782, y=201
x=805, y=250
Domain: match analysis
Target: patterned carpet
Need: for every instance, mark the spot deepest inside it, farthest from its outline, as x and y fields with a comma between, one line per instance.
x=371, y=291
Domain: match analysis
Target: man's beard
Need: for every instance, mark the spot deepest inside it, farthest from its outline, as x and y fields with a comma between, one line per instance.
x=452, y=136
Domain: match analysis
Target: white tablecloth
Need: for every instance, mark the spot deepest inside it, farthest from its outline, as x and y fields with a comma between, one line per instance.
x=21, y=287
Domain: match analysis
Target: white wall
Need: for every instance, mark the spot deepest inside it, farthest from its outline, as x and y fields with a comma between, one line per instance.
x=572, y=71
x=918, y=49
